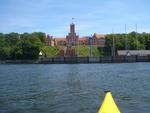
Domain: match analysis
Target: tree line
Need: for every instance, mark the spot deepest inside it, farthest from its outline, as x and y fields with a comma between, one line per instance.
x=15, y=46
x=130, y=41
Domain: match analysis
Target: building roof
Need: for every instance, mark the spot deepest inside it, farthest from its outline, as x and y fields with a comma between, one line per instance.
x=134, y=52
x=82, y=39
x=49, y=36
x=99, y=35
x=60, y=39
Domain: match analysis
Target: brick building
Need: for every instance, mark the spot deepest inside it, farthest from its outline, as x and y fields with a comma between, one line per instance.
x=50, y=41
x=98, y=39
x=72, y=39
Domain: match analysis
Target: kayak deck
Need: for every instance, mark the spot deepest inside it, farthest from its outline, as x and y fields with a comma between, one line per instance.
x=108, y=104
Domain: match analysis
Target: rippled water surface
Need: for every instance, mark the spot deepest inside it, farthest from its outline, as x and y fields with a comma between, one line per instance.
x=76, y=88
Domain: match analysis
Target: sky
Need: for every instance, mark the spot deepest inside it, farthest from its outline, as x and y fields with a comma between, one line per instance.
x=53, y=17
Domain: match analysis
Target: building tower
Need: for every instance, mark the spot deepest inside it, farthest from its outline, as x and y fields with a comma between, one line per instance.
x=72, y=28
x=72, y=38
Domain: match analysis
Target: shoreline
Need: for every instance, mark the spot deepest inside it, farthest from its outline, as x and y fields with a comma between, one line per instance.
x=81, y=60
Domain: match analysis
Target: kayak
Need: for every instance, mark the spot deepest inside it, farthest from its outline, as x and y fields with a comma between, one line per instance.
x=108, y=104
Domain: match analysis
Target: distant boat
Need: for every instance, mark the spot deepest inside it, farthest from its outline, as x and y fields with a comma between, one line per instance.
x=108, y=104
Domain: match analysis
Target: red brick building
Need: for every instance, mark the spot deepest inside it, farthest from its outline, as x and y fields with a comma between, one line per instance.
x=60, y=41
x=72, y=39
x=83, y=41
x=98, y=40
x=50, y=41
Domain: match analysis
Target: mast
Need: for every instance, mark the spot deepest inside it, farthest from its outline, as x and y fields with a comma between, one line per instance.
x=113, y=46
x=78, y=44
x=90, y=45
x=137, y=47
x=144, y=43
x=126, y=40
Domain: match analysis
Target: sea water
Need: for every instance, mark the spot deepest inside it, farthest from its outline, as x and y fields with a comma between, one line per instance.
x=73, y=88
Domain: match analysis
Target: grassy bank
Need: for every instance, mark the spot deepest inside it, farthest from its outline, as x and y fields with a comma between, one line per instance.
x=83, y=50
x=51, y=51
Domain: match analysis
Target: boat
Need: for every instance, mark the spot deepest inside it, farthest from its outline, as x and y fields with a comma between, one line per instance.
x=108, y=104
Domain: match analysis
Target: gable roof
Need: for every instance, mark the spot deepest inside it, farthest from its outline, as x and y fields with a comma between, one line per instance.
x=98, y=35
x=60, y=39
x=83, y=39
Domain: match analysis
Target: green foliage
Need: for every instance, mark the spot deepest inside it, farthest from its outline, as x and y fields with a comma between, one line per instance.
x=15, y=53
x=143, y=42
x=40, y=35
x=4, y=53
x=28, y=45
x=96, y=51
x=11, y=39
x=2, y=40
x=84, y=51
x=100, y=51
x=21, y=46
x=51, y=51
x=31, y=52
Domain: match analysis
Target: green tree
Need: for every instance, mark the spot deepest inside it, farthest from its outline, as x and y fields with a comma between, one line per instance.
x=2, y=40
x=15, y=53
x=11, y=38
x=40, y=35
x=4, y=53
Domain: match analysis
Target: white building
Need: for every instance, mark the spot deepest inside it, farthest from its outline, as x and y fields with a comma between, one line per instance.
x=133, y=52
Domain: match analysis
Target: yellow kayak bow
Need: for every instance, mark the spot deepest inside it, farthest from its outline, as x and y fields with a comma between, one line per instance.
x=108, y=104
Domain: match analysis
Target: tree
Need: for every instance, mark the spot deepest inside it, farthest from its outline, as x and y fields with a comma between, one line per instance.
x=28, y=50
x=16, y=53
x=40, y=35
x=11, y=38
x=147, y=42
x=101, y=50
x=2, y=40
x=4, y=53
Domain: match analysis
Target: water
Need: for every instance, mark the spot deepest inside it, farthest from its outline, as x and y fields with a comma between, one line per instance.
x=76, y=88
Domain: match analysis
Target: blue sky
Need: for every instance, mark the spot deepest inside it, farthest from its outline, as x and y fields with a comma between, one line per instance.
x=91, y=16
